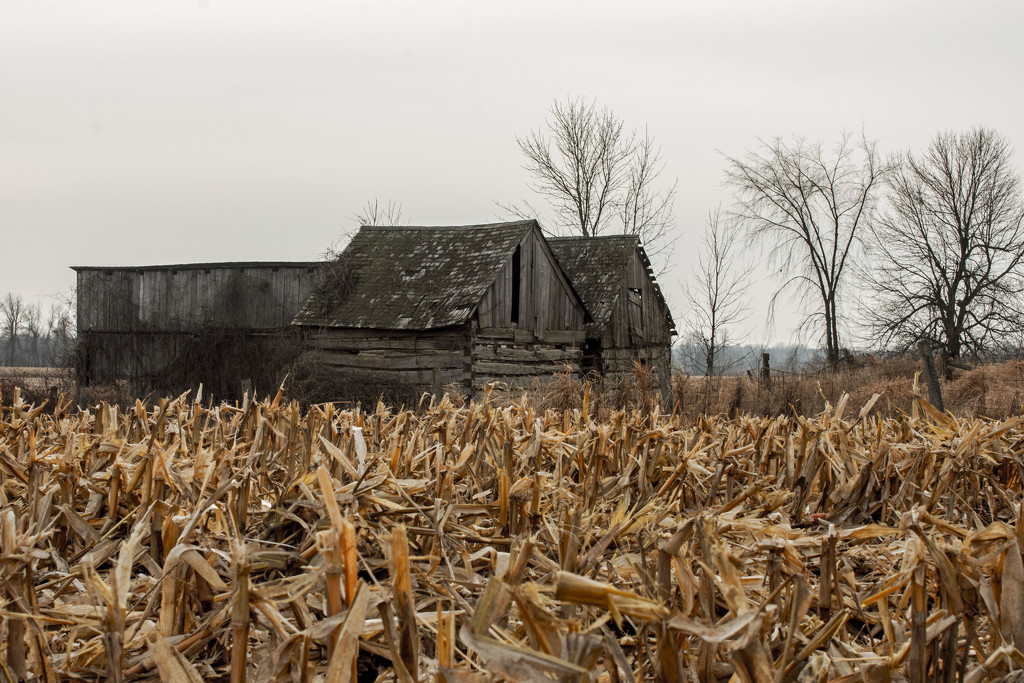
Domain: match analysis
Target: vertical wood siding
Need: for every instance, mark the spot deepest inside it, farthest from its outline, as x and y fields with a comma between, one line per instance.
x=191, y=298
x=620, y=333
x=624, y=341
x=545, y=302
x=140, y=324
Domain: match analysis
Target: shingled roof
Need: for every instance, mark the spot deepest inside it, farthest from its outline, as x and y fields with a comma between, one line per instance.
x=412, y=278
x=596, y=266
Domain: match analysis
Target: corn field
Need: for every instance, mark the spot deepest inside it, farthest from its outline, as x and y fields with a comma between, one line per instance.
x=190, y=542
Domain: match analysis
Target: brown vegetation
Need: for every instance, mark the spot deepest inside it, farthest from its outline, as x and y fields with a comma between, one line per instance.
x=495, y=540
x=34, y=383
x=993, y=391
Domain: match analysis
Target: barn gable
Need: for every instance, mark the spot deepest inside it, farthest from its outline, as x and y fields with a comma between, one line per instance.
x=631, y=321
x=598, y=268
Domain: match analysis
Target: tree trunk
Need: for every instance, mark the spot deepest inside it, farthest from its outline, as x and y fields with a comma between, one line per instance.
x=931, y=376
x=831, y=335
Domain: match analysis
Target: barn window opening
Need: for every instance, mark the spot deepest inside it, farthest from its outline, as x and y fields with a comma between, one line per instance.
x=516, y=264
x=636, y=310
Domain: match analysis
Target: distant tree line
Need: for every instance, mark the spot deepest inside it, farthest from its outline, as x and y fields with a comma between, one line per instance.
x=34, y=336
x=742, y=358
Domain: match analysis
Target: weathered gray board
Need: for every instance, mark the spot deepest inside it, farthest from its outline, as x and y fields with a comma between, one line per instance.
x=142, y=324
x=546, y=299
x=423, y=360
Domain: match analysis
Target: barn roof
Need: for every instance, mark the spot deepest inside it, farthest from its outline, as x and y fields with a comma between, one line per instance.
x=596, y=266
x=230, y=265
x=414, y=278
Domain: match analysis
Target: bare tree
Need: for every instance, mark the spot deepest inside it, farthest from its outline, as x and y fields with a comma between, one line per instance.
x=12, y=319
x=808, y=207
x=647, y=209
x=597, y=177
x=948, y=252
x=60, y=331
x=717, y=296
x=33, y=330
x=376, y=213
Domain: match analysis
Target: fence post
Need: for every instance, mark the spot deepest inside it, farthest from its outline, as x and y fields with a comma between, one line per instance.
x=665, y=382
x=766, y=369
x=924, y=347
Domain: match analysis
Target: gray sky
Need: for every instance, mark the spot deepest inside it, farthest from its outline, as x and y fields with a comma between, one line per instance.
x=160, y=132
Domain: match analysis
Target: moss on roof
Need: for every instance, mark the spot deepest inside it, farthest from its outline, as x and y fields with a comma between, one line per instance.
x=412, y=278
x=597, y=266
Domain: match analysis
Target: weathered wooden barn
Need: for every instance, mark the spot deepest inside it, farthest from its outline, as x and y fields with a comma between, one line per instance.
x=425, y=307
x=169, y=328
x=403, y=310
x=630, y=320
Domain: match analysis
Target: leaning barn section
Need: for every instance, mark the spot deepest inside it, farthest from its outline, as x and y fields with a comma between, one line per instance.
x=630, y=320
x=169, y=328
x=420, y=308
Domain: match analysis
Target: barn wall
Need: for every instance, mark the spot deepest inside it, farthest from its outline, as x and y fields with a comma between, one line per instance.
x=167, y=329
x=189, y=298
x=546, y=301
x=629, y=337
x=358, y=364
x=170, y=363
x=516, y=356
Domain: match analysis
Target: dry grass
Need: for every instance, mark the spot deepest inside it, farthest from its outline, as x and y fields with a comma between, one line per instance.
x=264, y=542
x=32, y=379
x=994, y=391
x=35, y=383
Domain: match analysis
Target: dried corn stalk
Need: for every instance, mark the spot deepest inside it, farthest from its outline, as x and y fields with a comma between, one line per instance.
x=192, y=542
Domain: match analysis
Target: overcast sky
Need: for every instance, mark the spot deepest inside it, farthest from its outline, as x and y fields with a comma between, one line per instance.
x=141, y=132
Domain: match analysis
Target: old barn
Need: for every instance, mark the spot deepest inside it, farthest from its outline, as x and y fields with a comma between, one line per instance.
x=403, y=310
x=424, y=307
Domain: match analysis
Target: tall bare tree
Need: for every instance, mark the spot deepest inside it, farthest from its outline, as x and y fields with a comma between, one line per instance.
x=948, y=253
x=717, y=295
x=808, y=206
x=12, y=319
x=647, y=208
x=597, y=177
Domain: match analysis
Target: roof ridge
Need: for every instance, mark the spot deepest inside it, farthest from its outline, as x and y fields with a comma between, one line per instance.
x=587, y=238
x=504, y=224
x=199, y=265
